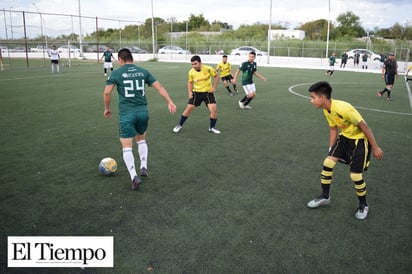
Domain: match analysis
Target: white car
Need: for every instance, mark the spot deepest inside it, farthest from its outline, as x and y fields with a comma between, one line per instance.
x=373, y=56
x=65, y=49
x=173, y=50
x=245, y=51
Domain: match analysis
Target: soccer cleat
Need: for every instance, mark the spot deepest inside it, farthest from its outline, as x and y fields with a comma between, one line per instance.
x=143, y=172
x=135, y=183
x=215, y=131
x=319, y=201
x=380, y=94
x=105, y=74
x=231, y=94
x=247, y=107
x=241, y=105
x=177, y=128
x=362, y=212
x=388, y=98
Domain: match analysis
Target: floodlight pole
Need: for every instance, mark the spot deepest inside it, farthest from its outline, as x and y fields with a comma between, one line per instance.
x=153, y=38
x=327, y=35
x=269, y=31
x=80, y=27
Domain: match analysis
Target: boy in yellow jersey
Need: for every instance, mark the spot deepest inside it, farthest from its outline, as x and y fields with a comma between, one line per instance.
x=352, y=145
x=407, y=73
x=224, y=68
x=200, y=89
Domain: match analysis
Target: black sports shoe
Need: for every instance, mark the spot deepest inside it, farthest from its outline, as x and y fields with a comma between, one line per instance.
x=135, y=183
x=143, y=172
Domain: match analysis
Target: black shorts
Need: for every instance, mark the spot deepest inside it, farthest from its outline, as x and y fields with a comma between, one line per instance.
x=354, y=152
x=389, y=79
x=227, y=78
x=199, y=97
x=54, y=61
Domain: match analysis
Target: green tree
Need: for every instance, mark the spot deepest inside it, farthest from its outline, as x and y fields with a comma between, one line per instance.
x=316, y=30
x=199, y=23
x=348, y=26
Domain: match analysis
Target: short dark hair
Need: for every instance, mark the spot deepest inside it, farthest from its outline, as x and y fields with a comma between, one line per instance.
x=321, y=88
x=253, y=53
x=195, y=58
x=125, y=55
x=224, y=55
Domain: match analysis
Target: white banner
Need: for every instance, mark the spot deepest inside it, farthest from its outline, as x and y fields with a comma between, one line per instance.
x=60, y=251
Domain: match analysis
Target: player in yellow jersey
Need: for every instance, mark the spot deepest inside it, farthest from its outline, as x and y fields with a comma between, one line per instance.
x=224, y=69
x=352, y=145
x=407, y=73
x=200, y=89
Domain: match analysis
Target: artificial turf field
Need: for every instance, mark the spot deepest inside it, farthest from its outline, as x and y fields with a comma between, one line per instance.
x=228, y=203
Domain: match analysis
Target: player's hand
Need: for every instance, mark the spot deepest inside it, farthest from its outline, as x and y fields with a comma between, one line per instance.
x=107, y=113
x=378, y=153
x=172, y=108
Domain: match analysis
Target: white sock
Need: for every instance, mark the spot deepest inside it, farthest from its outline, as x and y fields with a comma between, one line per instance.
x=143, y=152
x=128, y=159
x=58, y=69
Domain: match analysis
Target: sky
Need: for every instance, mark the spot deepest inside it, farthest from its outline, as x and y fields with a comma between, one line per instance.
x=372, y=13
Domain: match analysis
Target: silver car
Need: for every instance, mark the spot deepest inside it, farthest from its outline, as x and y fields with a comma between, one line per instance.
x=246, y=49
x=173, y=50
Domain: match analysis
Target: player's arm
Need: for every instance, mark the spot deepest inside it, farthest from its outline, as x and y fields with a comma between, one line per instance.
x=236, y=75
x=333, y=135
x=260, y=76
x=107, y=95
x=163, y=92
x=190, y=89
x=215, y=82
x=376, y=150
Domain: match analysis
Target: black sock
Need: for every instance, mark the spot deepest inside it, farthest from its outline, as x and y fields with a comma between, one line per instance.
x=228, y=89
x=248, y=101
x=182, y=120
x=244, y=99
x=362, y=200
x=213, y=122
x=325, y=190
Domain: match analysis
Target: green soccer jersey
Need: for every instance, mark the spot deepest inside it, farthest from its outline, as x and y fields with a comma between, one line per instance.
x=107, y=56
x=332, y=60
x=247, y=69
x=130, y=81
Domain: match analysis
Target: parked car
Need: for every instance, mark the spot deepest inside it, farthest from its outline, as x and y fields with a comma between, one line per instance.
x=173, y=50
x=245, y=51
x=18, y=49
x=39, y=48
x=373, y=56
x=4, y=49
x=95, y=48
x=65, y=48
x=134, y=49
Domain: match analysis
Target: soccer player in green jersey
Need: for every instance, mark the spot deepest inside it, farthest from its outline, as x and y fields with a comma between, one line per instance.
x=224, y=69
x=130, y=81
x=332, y=61
x=200, y=89
x=365, y=57
x=350, y=142
x=108, y=56
x=248, y=69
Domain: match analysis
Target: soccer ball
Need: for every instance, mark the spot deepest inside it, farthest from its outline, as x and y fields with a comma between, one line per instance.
x=108, y=166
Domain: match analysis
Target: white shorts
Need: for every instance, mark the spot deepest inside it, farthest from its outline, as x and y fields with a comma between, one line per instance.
x=108, y=65
x=251, y=88
x=332, y=68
